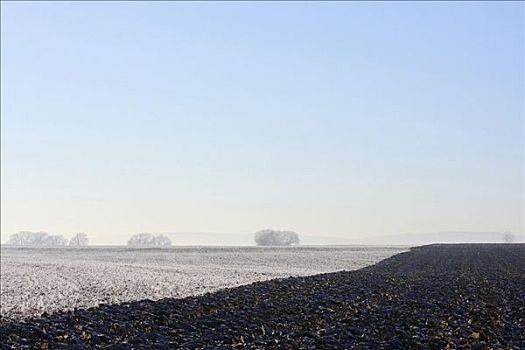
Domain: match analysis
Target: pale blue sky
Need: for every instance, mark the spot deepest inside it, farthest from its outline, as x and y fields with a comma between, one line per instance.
x=337, y=119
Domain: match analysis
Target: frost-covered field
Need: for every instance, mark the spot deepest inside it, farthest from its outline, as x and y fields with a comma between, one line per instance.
x=34, y=281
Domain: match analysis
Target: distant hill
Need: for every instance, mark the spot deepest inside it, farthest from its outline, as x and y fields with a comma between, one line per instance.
x=242, y=239
x=414, y=239
x=210, y=238
x=409, y=239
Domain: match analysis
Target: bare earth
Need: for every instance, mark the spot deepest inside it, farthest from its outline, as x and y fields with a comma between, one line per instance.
x=34, y=280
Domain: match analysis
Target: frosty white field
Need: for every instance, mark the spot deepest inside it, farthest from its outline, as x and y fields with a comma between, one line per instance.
x=34, y=281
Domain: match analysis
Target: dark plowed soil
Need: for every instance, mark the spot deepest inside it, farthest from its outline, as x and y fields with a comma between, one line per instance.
x=433, y=297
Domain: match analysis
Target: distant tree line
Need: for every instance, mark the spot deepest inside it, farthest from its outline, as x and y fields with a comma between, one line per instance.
x=270, y=237
x=149, y=240
x=44, y=239
x=267, y=237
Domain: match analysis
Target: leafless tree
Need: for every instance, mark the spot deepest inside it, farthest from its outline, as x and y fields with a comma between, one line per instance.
x=270, y=237
x=162, y=241
x=508, y=237
x=149, y=240
x=28, y=238
x=79, y=239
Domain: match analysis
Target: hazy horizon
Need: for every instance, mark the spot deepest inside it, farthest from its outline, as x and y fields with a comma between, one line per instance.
x=246, y=239
x=337, y=119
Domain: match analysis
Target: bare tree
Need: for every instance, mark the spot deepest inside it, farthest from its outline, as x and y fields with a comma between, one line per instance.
x=56, y=240
x=270, y=237
x=79, y=239
x=162, y=241
x=141, y=239
x=508, y=237
x=149, y=240
x=28, y=238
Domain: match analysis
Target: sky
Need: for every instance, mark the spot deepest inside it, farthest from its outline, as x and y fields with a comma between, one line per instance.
x=340, y=119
